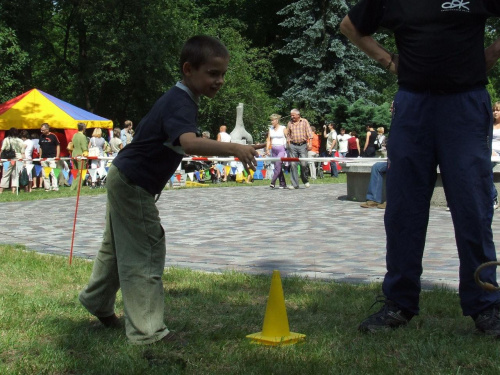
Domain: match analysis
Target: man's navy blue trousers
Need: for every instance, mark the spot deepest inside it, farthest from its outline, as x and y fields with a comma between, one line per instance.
x=452, y=131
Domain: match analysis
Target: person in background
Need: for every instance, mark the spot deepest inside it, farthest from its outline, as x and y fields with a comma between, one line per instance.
x=342, y=142
x=10, y=176
x=276, y=147
x=313, y=152
x=116, y=143
x=495, y=146
x=224, y=137
x=37, y=179
x=49, y=148
x=371, y=136
x=80, y=147
x=380, y=143
x=97, y=141
x=353, y=147
x=127, y=133
x=331, y=143
x=299, y=141
x=28, y=154
x=376, y=186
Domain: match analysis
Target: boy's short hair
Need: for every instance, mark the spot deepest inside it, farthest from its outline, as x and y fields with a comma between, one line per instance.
x=198, y=49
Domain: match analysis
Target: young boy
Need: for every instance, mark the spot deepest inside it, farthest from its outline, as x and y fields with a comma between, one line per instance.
x=132, y=254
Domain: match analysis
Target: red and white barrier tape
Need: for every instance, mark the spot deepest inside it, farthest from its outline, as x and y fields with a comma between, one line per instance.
x=230, y=159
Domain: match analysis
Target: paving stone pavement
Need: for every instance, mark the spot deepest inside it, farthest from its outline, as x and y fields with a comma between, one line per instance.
x=312, y=232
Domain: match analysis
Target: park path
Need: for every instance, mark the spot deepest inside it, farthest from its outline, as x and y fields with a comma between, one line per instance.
x=311, y=232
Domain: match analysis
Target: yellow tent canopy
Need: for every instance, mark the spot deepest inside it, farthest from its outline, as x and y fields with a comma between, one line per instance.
x=34, y=107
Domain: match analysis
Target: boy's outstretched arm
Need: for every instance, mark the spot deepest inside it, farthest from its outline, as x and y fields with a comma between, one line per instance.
x=194, y=145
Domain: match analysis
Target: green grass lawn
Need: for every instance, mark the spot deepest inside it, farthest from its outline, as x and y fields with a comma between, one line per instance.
x=44, y=330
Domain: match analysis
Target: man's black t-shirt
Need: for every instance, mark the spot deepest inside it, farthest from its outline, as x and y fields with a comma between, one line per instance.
x=155, y=152
x=440, y=42
x=48, y=143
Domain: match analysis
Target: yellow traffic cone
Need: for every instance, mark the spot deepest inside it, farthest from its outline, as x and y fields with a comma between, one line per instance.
x=275, y=330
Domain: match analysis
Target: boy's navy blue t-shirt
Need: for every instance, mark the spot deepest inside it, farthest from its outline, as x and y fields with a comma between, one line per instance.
x=155, y=152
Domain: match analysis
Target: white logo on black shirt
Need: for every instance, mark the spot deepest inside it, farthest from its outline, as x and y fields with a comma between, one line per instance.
x=460, y=5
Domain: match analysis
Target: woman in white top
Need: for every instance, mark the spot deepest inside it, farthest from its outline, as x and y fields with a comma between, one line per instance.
x=276, y=146
x=10, y=175
x=495, y=146
x=28, y=154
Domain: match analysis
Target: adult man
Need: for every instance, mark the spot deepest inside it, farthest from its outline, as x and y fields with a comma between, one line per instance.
x=49, y=148
x=223, y=136
x=299, y=137
x=127, y=133
x=80, y=145
x=441, y=97
x=375, y=187
x=342, y=141
x=313, y=152
x=331, y=142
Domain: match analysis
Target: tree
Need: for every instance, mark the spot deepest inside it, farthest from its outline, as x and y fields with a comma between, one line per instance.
x=328, y=66
x=355, y=116
x=114, y=58
x=492, y=33
x=13, y=62
x=247, y=79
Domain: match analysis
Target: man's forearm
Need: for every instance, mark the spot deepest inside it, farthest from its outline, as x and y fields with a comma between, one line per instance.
x=492, y=54
x=366, y=43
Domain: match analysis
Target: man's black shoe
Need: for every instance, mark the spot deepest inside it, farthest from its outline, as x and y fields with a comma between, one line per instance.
x=390, y=316
x=488, y=321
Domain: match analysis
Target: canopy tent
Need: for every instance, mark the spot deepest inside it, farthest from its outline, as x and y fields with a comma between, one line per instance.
x=34, y=107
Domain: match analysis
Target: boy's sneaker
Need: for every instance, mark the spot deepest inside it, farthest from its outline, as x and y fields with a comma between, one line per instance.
x=488, y=321
x=390, y=316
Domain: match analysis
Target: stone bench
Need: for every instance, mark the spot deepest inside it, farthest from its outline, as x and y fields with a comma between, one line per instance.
x=358, y=178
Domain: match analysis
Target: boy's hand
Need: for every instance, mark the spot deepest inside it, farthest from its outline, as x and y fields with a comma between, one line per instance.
x=259, y=146
x=246, y=155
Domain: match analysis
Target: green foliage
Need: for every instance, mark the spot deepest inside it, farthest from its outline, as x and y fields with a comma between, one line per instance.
x=247, y=81
x=357, y=115
x=328, y=66
x=492, y=32
x=116, y=57
x=13, y=62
